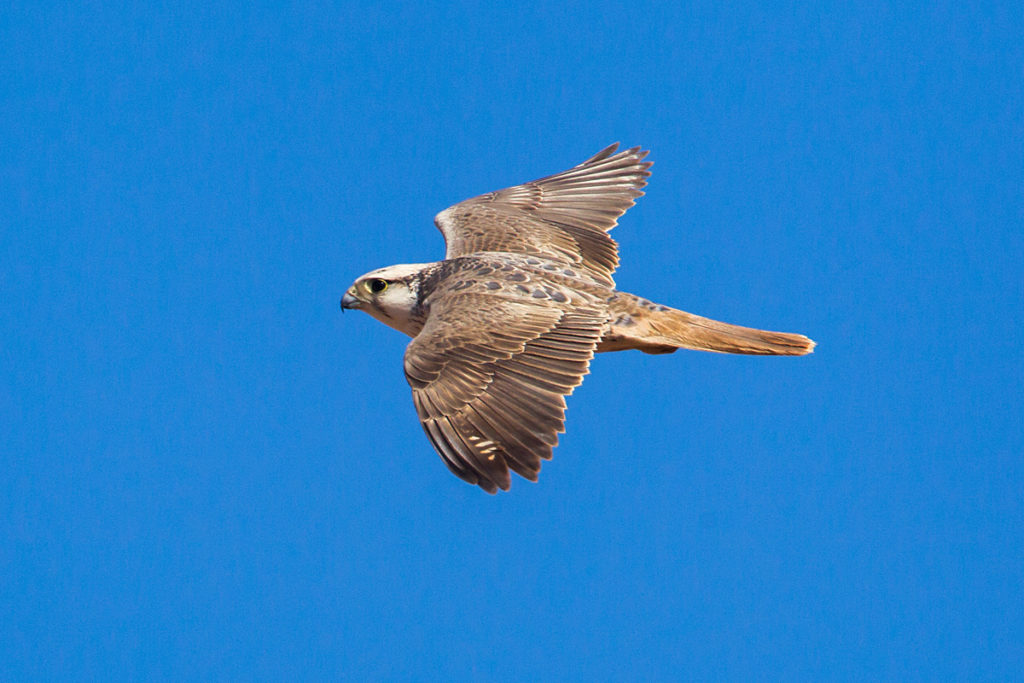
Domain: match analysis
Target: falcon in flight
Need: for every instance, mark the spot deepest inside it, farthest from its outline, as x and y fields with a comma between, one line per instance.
x=504, y=328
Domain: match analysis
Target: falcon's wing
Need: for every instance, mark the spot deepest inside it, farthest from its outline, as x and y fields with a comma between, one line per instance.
x=489, y=377
x=566, y=216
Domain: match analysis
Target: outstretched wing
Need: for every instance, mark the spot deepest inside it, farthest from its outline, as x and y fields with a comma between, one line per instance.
x=566, y=216
x=489, y=378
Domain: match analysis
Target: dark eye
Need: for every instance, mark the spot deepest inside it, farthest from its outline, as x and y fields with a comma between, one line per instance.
x=377, y=285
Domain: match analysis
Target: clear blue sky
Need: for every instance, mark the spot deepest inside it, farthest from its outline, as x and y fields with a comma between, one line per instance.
x=209, y=473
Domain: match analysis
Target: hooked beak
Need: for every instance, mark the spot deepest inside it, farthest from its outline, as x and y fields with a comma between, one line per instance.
x=349, y=301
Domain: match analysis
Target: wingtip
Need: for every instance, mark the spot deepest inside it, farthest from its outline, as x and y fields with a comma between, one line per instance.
x=603, y=154
x=638, y=152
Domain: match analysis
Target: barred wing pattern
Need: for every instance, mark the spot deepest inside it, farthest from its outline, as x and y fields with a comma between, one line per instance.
x=489, y=379
x=565, y=216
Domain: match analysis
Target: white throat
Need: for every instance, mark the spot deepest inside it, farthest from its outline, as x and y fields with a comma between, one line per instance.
x=396, y=314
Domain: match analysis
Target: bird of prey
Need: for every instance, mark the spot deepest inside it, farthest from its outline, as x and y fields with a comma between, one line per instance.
x=504, y=327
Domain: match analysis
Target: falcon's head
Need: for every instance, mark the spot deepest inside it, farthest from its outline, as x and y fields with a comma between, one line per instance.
x=391, y=295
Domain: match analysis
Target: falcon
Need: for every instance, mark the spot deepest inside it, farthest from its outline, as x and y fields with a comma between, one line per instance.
x=505, y=327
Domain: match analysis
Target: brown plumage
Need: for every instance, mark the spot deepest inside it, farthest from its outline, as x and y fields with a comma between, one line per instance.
x=505, y=327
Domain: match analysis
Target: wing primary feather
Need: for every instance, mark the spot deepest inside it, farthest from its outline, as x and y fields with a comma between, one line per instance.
x=544, y=433
x=492, y=474
x=520, y=460
x=510, y=430
x=449, y=457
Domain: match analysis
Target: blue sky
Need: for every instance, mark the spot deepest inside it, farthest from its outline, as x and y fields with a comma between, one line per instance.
x=209, y=473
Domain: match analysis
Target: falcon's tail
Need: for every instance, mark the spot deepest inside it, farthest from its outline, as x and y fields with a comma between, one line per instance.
x=639, y=324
